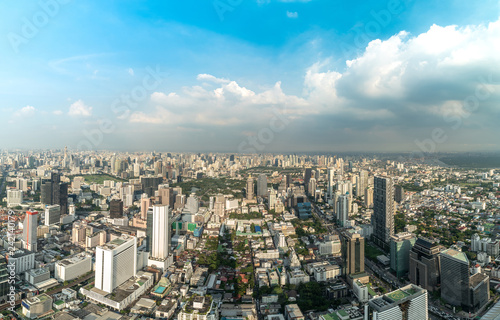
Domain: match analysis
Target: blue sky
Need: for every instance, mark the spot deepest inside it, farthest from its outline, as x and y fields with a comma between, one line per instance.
x=346, y=76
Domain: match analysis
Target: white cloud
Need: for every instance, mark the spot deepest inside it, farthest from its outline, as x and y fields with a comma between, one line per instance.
x=211, y=78
x=57, y=112
x=130, y=71
x=402, y=84
x=79, y=109
x=25, y=112
x=292, y=15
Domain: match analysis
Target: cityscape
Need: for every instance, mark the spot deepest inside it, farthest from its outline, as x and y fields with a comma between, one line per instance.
x=250, y=160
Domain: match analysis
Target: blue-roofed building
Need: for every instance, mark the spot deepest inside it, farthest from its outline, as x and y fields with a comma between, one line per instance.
x=258, y=229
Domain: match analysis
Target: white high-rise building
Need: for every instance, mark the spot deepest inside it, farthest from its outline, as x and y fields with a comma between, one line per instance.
x=342, y=209
x=115, y=263
x=331, y=177
x=161, y=232
x=14, y=198
x=22, y=184
x=52, y=214
x=30, y=226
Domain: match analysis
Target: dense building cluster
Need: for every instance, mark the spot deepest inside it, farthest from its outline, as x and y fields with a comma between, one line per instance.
x=221, y=236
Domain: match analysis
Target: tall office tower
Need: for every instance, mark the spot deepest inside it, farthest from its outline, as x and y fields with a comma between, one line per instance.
x=116, y=209
x=342, y=209
x=166, y=195
x=401, y=245
x=115, y=263
x=22, y=184
x=307, y=177
x=78, y=232
x=250, y=188
x=458, y=288
x=160, y=232
x=52, y=214
x=150, y=185
x=137, y=170
x=383, y=210
x=30, y=226
x=220, y=205
x=262, y=185
x=272, y=199
x=4, y=278
x=330, y=179
x=149, y=229
x=454, y=277
x=193, y=204
x=353, y=253
x=362, y=183
x=425, y=264
x=409, y=303
x=399, y=193
x=369, y=197
x=312, y=186
x=145, y=204
x=55, y=192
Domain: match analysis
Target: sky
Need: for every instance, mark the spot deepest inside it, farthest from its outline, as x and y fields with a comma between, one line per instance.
x=250, y=75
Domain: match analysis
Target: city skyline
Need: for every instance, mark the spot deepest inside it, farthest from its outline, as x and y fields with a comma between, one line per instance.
x=298, y=76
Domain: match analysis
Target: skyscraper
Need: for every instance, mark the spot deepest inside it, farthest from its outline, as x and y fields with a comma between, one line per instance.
x=353, y=253
x=401, y=245
x=52, y=214
x=330, y=178
x=160, y=233
x=307, y=177
x=399, y=193
x=30, y=226
x=458, y=288
x=4, y=278
x=342, y=209
x=369, y=197
x=250, y=188
x=262, y=185
x=150, y=185
x=116, y=209
x=55, y=192
x=454, y=277
x=383, y=210
x=362, y=183
x=425, y=264
x=115, y=262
